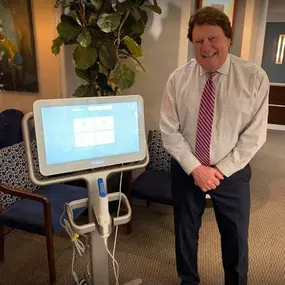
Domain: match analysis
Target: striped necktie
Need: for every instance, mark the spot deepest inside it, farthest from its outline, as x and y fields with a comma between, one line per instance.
x=205, y=122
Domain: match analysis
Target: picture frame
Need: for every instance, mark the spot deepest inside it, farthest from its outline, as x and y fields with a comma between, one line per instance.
x=227, y=6
x=18, y=64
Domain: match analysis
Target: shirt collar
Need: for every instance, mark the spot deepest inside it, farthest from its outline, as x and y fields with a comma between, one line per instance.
x=224, y=69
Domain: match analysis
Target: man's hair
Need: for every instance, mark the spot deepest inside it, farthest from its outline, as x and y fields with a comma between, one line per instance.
x=210, y=16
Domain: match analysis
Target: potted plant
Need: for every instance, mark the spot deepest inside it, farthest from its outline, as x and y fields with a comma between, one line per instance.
x=107, y=38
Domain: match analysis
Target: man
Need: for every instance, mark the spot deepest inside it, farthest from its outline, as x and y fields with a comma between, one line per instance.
x=213, y=121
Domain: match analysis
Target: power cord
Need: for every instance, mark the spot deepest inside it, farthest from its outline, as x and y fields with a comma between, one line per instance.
x=112, y=255
x=78, y=245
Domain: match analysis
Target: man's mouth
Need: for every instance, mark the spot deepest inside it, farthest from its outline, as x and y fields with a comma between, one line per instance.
x=208, y=56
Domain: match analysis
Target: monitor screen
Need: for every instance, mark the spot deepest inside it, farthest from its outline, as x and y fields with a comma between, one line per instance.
x=79, y=133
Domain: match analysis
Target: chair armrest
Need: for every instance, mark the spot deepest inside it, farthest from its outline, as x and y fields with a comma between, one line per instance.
x=23, y=194
x=36, y=197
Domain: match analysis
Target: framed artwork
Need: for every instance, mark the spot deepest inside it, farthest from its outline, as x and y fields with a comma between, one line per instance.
x=227, y=6
x=18, y=67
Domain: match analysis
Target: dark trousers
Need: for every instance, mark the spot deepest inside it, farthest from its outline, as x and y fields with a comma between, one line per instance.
x=231, y=202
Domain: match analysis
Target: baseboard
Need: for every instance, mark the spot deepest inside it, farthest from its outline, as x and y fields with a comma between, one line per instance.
x=276, y=127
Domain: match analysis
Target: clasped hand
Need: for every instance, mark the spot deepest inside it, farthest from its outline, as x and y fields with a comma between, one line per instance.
x=207, y=178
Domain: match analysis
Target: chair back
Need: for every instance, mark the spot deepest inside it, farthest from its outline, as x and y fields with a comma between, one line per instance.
x=10, y=127
x=14, y=172
x=159, y=158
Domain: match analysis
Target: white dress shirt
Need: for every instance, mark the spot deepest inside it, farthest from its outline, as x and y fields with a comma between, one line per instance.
x=240, y=115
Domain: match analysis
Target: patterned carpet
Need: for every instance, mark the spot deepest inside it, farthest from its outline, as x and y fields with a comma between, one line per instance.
x=148, y=253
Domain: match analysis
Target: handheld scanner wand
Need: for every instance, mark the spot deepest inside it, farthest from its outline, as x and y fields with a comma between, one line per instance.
x=101, y=209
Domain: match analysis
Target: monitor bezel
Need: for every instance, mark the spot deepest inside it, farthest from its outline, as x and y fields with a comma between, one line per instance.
x=55, y=169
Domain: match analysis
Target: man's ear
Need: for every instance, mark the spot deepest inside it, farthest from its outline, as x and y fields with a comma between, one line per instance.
x=230, y=42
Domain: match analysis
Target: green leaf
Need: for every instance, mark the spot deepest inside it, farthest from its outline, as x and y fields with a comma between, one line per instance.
x=71, y=18
x=143, y=16
x=134, y=48
x=68, y=31
x=56, y=44
x=96, y=3
x=92, y=20
x=138, y=66
x=84, y=39
x=55, y=49
x=73, y=15
x=107, y=54
x=114, y=87
x=123, y=76
x=138, y=27
x=80, y=91
x=109, y=22
x=154, y=8
x=93, y=72
x=87, y=90
x=89, y=74
x=102, y=81
x=84, y=57
x=82, y=73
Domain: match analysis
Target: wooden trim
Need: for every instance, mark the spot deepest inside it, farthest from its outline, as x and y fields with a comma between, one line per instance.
x=277, y=95
x=234, y=16
x=23, y=194
x=276, y=115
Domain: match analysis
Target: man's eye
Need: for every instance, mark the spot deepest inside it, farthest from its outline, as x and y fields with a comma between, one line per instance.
x=199, y=42
x=212, y=38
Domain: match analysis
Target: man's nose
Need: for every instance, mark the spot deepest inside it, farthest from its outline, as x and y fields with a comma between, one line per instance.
x=206, y=45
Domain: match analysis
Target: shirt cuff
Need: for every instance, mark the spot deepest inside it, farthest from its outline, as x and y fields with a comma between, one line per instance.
x=189, y=162
x=227, y=167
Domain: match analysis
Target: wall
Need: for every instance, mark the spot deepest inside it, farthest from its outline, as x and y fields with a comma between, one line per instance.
x=276, y=11
x=254, y=30
x=275, y=72
x=161, y=58
x=44, y=21
x=238, y=28
x=71, y=82
x=275, y=26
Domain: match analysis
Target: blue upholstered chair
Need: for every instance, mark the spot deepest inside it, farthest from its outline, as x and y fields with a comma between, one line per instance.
x=28, y=207
x=10, y=127
x=154, y=184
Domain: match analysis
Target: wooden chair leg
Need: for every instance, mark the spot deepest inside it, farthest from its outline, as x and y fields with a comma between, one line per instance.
x=129, y=227
x=1, y=243
x=51, y=259
x=49, y=242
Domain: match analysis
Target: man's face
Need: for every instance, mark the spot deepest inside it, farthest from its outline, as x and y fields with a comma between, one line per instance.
x=211, y=46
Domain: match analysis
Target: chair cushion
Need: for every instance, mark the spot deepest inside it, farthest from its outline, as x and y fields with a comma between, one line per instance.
x=159, y=158
x=154, y=186
x=14, y=171
x=28, y=215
